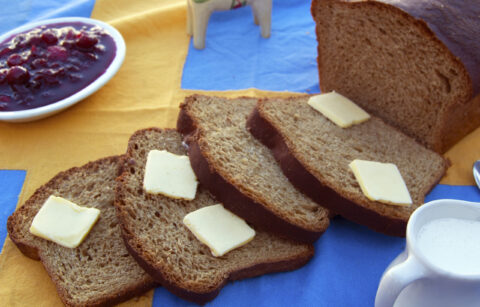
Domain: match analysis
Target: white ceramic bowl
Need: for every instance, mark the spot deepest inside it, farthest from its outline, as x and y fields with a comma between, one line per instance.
x=55, y=107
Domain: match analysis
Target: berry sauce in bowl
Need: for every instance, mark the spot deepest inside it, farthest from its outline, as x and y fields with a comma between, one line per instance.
x=50, y=65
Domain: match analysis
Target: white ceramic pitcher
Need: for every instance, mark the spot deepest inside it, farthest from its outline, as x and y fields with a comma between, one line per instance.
x=413, y=280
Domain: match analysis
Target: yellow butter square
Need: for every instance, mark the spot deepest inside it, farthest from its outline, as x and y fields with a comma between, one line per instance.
x=219, y=229
x=381, y=182
x=63, y=222
x=339, y=109
x=169, y=174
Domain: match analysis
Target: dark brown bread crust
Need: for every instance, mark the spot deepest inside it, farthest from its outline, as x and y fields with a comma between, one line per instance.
x=33, y=252
x=455, y=23
x=455, y=27
x=229, y=195
x=310, y=186
x=134, y=246
x=431, y=13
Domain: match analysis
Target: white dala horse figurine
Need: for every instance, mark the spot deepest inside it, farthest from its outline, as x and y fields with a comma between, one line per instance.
x=199, y=12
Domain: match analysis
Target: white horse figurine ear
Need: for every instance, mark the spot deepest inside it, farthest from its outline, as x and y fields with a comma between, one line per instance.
x=199, y=12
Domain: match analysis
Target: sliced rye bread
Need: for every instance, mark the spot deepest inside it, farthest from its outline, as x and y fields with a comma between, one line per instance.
x=100, y=271
x=241, y=172
x=413, y=63
x=314, y=154
x=155, y=235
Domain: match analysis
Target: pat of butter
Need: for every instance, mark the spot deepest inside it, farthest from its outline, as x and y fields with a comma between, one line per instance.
x=169, y=174
x=381, y=182
x=339, y=109
x=219, y=229
x=63, y=222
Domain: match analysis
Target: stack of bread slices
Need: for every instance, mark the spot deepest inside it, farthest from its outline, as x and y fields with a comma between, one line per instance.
x=276, y=163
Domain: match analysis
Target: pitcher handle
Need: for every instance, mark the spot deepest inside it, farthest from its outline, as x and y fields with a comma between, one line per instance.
x=396, y=278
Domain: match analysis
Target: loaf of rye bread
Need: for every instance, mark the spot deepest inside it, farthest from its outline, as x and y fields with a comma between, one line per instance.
x=414, y=63
x=155, y=235
x=315, y=154
x=100, y=271
x=242, y=173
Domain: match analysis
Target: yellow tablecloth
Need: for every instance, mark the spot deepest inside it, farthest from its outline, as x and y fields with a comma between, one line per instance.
x=145, y=92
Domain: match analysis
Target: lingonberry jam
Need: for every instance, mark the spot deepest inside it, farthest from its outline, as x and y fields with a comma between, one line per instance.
x=51, y=62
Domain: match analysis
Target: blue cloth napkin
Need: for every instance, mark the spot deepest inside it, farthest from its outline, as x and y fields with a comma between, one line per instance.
x=16, y=13
x=11, y=182
x=237, y=57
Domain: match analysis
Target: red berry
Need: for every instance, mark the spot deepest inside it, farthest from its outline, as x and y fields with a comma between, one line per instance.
x=14, y=60
x=85, y=41
x=34, y=40
x=4, y=51
x=49, y=38
x=70, y=34
x=17, y=75
x=39, y=63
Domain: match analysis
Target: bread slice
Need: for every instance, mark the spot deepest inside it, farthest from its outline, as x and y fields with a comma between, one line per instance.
x=99, y=271
x=156, y=236
x=413, y=63
x=241, y=172
x=314, y=154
